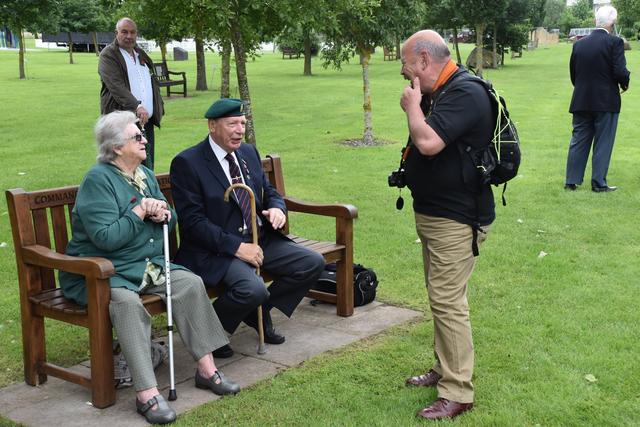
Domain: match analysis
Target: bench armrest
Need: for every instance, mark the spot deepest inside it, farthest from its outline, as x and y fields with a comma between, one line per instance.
x=334, y=210
x=41, y=256
x=178, y=73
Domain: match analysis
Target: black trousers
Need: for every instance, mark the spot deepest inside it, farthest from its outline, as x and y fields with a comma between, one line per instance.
x=150, y=147
x=295, y=270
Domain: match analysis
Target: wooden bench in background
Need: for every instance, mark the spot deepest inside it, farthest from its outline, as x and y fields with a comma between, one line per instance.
x=291, y=52
x=164, y=78
x=40, y=221
x=389, y=54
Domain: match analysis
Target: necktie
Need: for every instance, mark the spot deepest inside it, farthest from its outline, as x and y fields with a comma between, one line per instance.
x=241, y=195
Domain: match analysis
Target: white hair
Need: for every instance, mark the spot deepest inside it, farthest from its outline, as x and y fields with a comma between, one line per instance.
x=606, y=16
x=109, y=131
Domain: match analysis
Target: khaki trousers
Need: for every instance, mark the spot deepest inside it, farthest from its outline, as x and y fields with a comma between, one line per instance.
x=193, y=314
x=448, y=264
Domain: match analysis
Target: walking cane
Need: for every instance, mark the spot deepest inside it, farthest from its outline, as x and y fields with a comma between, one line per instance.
x=167, y=275
x=254, y=233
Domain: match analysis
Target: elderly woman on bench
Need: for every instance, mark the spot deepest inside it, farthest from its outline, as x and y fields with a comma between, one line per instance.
x=118, y=215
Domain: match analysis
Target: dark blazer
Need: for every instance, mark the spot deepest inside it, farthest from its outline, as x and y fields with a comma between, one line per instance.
x=115, y=93
x=210, y=228
x=598, y=71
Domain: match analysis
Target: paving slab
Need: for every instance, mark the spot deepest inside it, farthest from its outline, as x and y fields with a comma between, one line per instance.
x=312, y=330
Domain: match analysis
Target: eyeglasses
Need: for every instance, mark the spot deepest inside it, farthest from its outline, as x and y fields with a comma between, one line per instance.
x=138, y=137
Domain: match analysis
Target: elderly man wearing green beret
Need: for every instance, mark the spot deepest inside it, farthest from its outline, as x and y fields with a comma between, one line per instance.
x=215, y=236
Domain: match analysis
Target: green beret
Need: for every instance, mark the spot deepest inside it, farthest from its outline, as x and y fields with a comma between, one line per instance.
x=225, y=107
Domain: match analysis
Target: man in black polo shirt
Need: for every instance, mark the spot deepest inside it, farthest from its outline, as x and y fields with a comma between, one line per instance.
x=444, y=111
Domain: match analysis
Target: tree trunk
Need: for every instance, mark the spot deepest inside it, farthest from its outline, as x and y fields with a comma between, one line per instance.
x=455, y=45
x=241, y=71
x=307, y=53
x=495, y=47
x=70, y=48
x=94, y=35
x=225, y=91
x=398, y=48
x=479, y=56
x=365, y=56
x=21, y=51
x=163, y=50
x=201, y=72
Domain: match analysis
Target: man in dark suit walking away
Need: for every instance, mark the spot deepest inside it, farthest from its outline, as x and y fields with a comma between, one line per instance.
x=598, y=73
x=215, y=236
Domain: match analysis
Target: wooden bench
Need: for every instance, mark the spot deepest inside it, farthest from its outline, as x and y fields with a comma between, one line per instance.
x=389, y=54
x=40, y=221
x=164, y=78
x=291, y=52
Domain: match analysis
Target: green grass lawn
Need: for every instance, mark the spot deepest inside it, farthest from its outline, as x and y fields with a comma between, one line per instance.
x=541, y=324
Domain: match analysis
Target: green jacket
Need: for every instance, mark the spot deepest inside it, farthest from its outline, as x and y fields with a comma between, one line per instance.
x=104, y=225
x=115, y=93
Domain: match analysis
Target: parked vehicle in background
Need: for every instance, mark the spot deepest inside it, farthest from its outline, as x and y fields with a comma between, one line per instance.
x=464, y=36
x=576, y=34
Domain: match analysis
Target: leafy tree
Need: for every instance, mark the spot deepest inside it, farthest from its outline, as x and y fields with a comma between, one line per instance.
x=302, y=40
x=628, y=16
x=30, y=15
x=579, y=15
x=480, y=14
x=156, y=21
x=78, y=16
x=304, y=20
x=356, y=28
x=553, y=13
x=511, y=28
x=401, y=18
x=445, y=14
x=537, y=12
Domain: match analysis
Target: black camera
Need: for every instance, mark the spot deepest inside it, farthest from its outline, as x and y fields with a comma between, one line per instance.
x=397, y=179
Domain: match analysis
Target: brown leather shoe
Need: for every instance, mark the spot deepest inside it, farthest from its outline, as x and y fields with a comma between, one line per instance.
x=430, y=379
x=444, y=408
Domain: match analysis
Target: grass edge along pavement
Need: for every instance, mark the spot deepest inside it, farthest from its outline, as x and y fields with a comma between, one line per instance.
x=542, y=324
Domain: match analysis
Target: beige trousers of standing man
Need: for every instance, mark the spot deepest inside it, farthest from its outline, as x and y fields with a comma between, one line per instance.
x=448, y=264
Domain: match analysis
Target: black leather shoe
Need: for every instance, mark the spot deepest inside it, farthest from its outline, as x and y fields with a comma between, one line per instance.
x=163, y=414
x=221, y=388
x=223, y=352
x=605, y=189
x=270, y=334
x=571, y=187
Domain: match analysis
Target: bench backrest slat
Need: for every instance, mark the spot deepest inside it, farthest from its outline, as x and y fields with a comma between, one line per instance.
x=43, y=237
x=59, y=225
x=161, y=70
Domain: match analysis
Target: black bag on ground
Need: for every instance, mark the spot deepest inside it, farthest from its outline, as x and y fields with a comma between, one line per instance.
x=365, y=283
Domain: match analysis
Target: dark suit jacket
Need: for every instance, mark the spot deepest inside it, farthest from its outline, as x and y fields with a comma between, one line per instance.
x=210, y=228
x=597, y=69
x=115, y=93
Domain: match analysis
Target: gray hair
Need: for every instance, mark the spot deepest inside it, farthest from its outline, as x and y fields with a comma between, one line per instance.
x=437, y=51
x=125, y=19
x=109, y=131
x=606, y=16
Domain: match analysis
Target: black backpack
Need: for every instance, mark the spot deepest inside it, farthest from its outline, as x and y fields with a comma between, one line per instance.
x=498, y=163
x=365, y=283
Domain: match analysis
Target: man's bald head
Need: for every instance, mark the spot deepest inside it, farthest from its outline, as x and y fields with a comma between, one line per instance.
x=431, y=42
x=424, y=55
